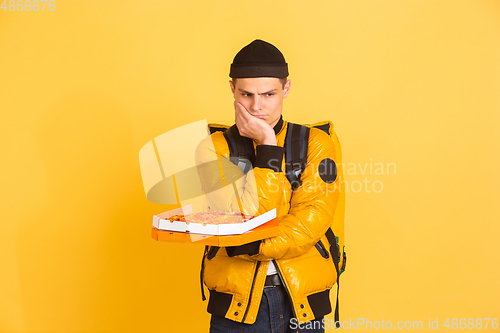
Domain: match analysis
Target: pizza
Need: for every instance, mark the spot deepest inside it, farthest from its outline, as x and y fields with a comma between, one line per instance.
x=212, y=218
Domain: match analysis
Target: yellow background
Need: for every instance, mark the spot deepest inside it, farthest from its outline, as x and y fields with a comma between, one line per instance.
x=83, y=88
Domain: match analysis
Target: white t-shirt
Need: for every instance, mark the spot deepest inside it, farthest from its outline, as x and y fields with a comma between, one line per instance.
x=271, y=269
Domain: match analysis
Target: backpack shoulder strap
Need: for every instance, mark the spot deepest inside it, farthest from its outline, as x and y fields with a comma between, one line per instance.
x=334, y=251
x=241, y=149
x=296, y=145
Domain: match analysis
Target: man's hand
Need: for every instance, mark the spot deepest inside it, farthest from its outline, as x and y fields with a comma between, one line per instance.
x=253, y=127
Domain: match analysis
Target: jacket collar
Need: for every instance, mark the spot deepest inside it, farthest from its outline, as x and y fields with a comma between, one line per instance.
x=278, y=126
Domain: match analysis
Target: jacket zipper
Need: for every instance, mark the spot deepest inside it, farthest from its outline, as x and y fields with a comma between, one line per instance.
x=251, y=291
x=284, y=285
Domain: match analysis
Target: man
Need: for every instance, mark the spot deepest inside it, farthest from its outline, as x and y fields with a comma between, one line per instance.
x=280, y=283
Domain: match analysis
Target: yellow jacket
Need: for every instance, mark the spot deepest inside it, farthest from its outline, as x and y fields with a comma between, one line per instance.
x=236, y=282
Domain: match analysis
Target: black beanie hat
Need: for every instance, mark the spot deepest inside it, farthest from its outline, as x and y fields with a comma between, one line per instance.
x=259, y=59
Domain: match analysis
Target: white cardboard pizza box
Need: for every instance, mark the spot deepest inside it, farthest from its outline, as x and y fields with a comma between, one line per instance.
x=162, y=222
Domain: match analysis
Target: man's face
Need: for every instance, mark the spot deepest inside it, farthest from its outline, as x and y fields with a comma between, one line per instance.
x=261, y=96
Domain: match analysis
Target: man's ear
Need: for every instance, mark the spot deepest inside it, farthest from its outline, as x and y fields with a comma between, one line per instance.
x=287, y=87
x=232, y=86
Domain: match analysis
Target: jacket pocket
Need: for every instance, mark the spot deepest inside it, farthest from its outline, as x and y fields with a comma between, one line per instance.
x=322, y=249
x=212, y=252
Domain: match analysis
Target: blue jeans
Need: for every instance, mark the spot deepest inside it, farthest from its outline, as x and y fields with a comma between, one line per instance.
x=274, y=316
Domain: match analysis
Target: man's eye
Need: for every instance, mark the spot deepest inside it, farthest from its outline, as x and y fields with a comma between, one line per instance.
x=269, y=95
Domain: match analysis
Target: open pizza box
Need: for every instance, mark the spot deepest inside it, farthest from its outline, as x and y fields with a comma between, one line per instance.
x=162, y=222
x=259, y=227
x=199, y=181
